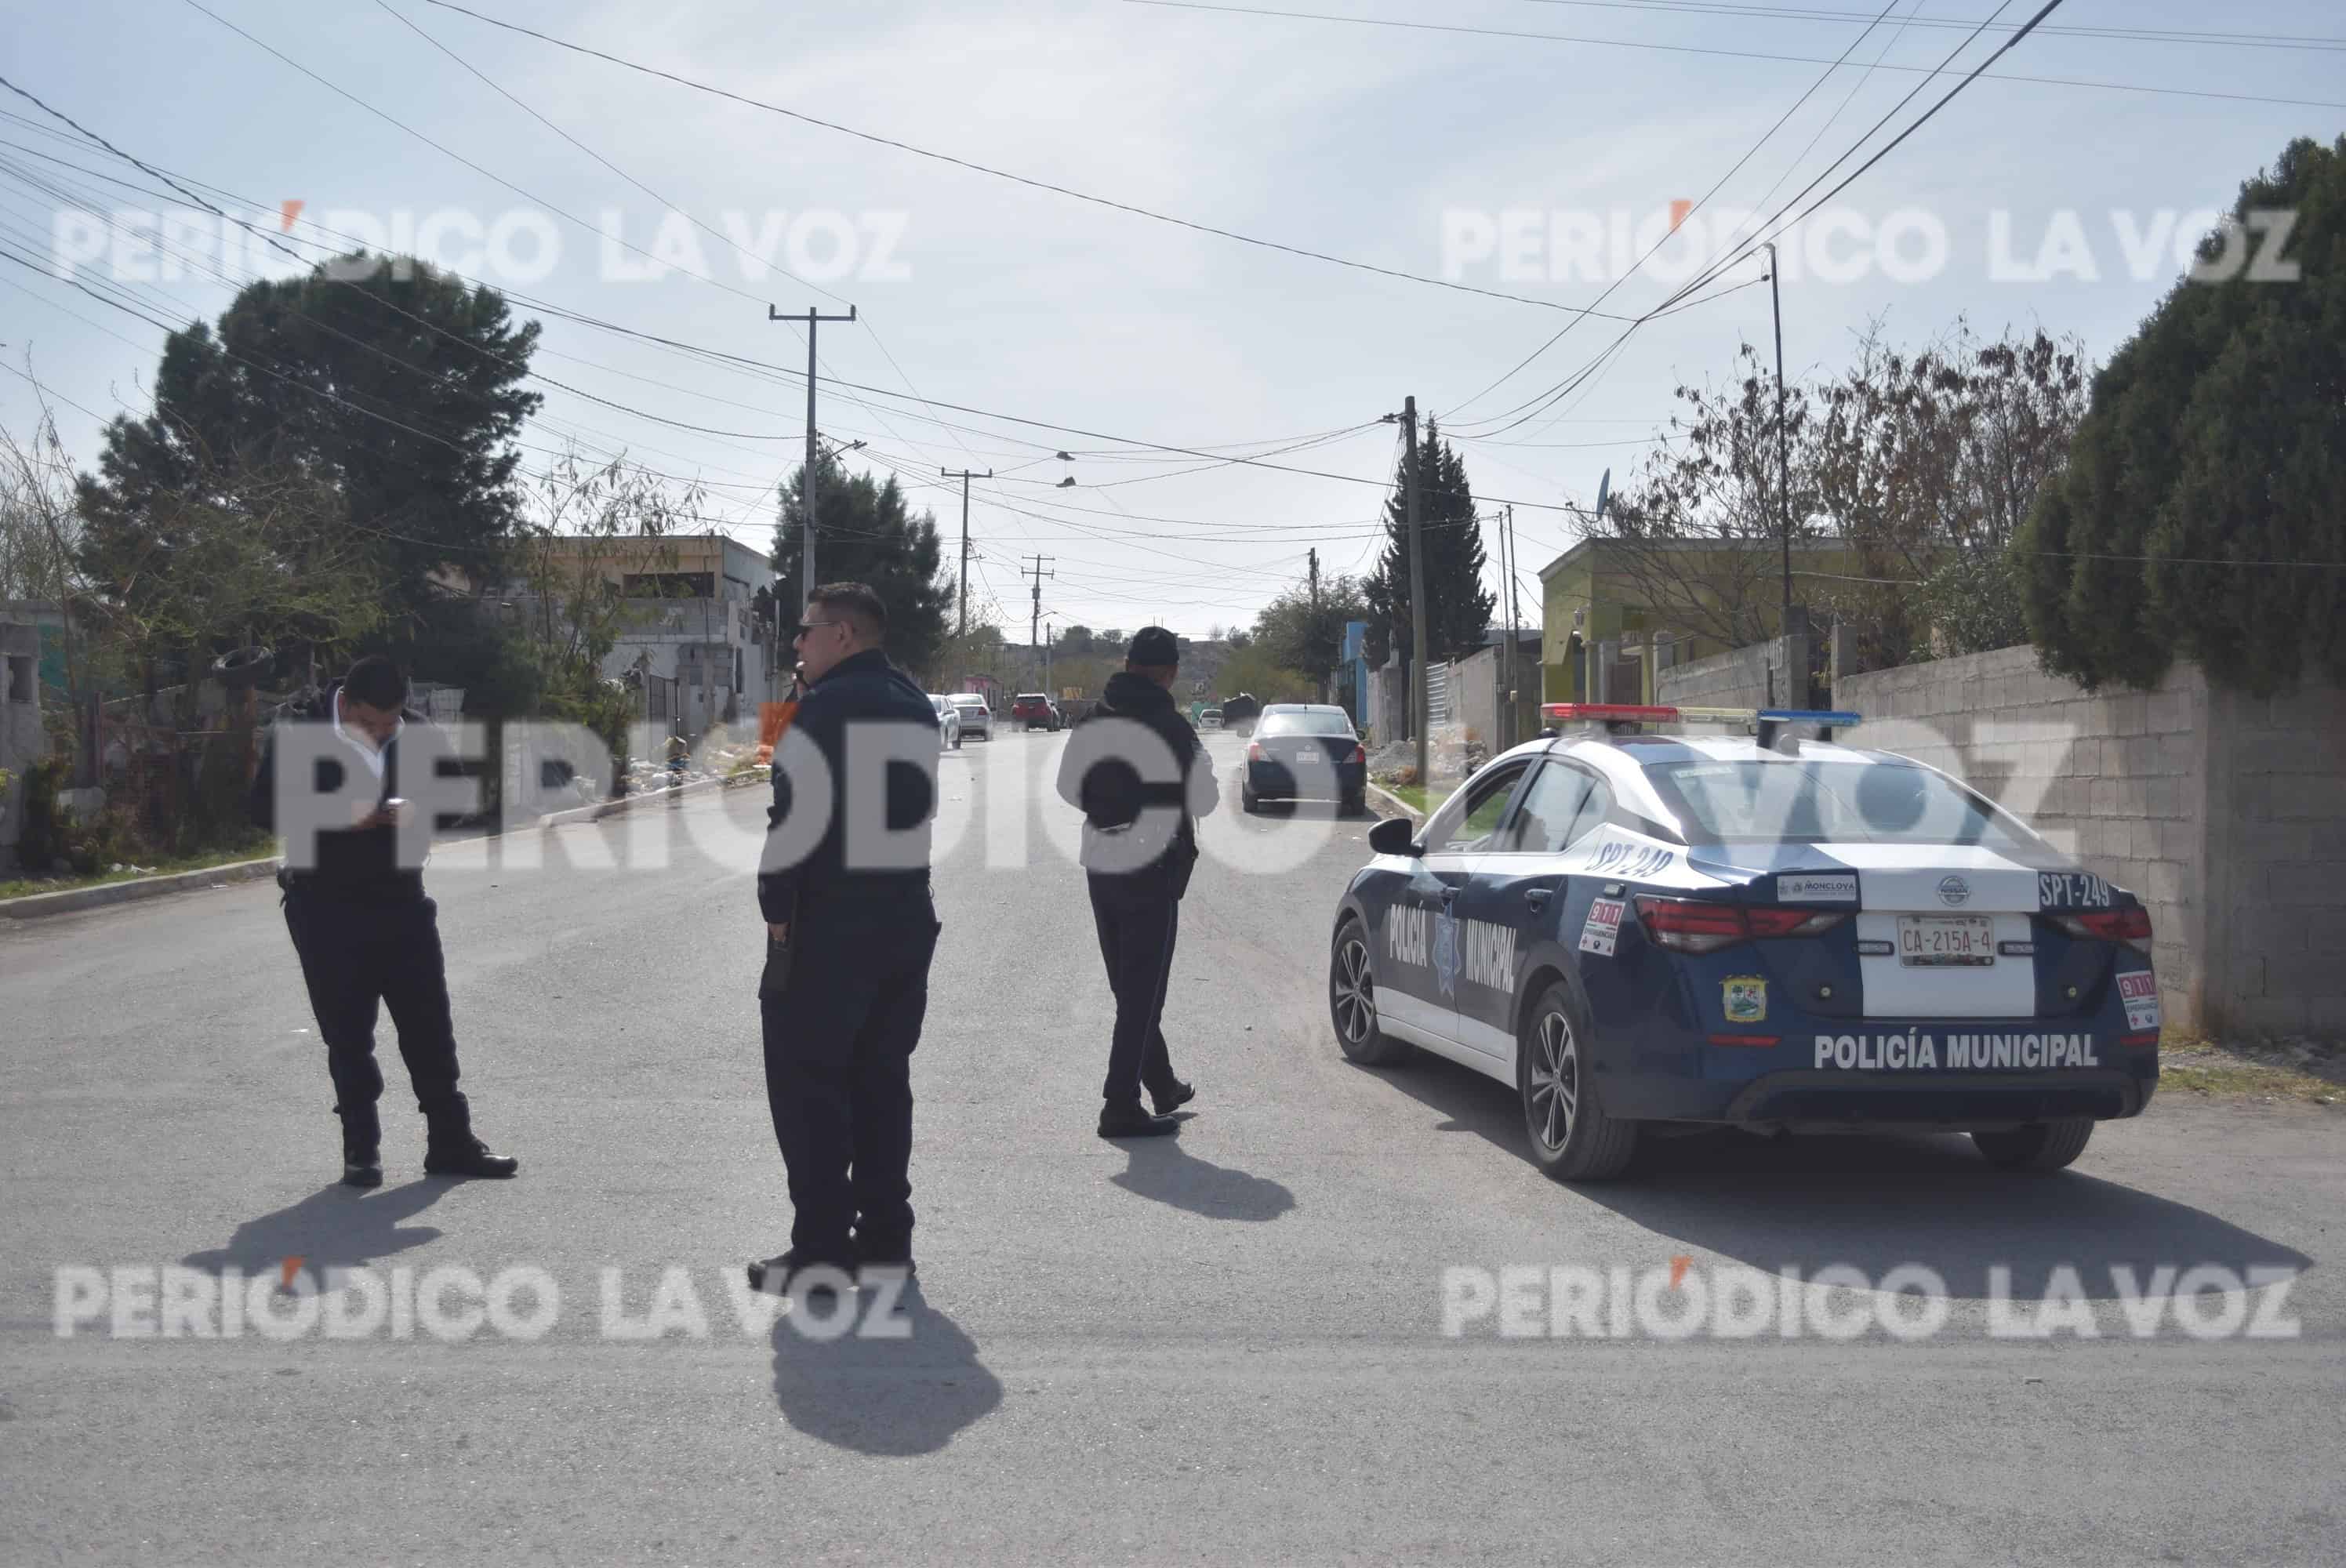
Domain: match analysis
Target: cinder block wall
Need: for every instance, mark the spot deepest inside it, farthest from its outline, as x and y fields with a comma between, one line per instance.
x=1740, y=679
x=2224, y=813
x=2277, y=860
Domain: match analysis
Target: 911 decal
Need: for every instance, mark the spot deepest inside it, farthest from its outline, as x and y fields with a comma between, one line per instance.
x=2139, y=990
x=1604, y=927
x=1903, y=1052
x=2071, y=890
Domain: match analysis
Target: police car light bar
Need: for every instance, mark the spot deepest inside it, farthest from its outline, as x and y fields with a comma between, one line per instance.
x=1616, y=713
x=1605, y=713
x=1830, y=720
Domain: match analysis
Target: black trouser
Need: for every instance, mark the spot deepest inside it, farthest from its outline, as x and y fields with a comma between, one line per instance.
x=356, y=955
x=839, y=1070
x=1138, y=916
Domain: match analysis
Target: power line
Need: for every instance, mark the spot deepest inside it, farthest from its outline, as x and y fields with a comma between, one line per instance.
x=1716, y=186
x=1802, y=14
x=1044, y=185
x=1696, y=49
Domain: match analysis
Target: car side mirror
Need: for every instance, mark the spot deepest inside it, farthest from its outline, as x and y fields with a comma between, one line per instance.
x=1394, y=836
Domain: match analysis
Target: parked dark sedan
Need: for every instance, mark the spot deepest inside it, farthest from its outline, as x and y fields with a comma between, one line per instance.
x=1304, y=752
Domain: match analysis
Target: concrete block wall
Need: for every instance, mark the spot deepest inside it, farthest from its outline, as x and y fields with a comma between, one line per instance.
x=2117, y=779
x=2225, y=813
x=1769, y=673
x=2276, y=868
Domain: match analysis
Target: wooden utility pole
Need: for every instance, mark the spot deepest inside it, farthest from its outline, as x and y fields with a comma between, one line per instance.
x=1320, y=680
x=965, y=476
x=1418, y=686
x=1506, y=736
x=1783, y=459
x=1035, y=620
x=810, y=482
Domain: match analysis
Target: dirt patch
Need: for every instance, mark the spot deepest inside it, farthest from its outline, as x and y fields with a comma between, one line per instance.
x=2268, y=1068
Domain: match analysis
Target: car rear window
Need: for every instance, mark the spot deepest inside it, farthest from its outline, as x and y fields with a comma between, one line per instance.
x=1304, y=724
x=1826, y=802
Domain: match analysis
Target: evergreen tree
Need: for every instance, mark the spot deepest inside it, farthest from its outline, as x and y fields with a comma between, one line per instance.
x=391, y=386
x=1458, y=608
x=2213, y=458
x=866, y=534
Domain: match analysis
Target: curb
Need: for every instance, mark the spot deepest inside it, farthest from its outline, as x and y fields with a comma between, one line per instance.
x=35, y=906
x=39, y=906
x=1396, y=804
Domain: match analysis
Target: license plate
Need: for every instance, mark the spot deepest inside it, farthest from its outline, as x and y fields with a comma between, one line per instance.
x=1309, y=760
x=1945, y=942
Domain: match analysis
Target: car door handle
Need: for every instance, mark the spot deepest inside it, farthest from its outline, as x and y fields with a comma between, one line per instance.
x=1537, y=897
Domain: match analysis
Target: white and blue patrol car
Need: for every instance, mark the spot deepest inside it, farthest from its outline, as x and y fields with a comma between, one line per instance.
x=1656, y=915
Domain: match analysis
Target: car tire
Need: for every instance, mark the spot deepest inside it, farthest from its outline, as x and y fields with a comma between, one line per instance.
x=2038, y=1147
x=1572, y=1138
x=1352, y=1001
x=1248, y=801
x=1353, y=805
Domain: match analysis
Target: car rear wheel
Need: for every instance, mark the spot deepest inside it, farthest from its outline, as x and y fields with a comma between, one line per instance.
x=1573, y=1139
x=2038, y=1147
x=1248, y=800
x=1352, y=1001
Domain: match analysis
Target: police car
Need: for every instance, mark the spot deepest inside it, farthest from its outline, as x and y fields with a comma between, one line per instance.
x=1657, y=916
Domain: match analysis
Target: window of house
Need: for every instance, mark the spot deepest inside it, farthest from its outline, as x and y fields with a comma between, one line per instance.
x=20, y=678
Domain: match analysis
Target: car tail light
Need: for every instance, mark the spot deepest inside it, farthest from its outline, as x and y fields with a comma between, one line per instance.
x=1360, y=754
x=1690, y=925
x=1685, y=925
x=1793, y=922
x=2131, y=926
x=1254, y=750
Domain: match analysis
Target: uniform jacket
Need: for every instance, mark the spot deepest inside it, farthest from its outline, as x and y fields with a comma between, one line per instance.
x=862, y=688
x=359, y=865
x=1112, y=794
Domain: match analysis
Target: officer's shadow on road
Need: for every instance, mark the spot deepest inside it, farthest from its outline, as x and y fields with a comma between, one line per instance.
x=337, y=1227
x=1163, y=1170
x=889, y=1396
x=1874, y=1202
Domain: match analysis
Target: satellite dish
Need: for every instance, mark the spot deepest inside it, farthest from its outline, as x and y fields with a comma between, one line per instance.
x=1603, y=495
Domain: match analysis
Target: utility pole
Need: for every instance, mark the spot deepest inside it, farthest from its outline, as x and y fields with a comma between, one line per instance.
x=1034, y=620
x=965, y=476
x=1418, y=687
x=1784, y=460
x=1507, y=659
x=809, y=484
x=1320, y=680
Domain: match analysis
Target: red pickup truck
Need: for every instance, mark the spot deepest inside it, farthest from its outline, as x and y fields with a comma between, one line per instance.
x=1036, y=710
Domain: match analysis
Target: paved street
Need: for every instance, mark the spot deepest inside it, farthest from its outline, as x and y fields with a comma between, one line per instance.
x=1223, y=1347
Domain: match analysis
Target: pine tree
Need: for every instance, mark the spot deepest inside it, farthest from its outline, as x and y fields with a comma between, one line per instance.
x=1458, y=608
x=2212, y=459
x=866, y=534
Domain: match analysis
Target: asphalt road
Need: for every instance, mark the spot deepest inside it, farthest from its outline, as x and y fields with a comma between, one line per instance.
x=1225, y=1347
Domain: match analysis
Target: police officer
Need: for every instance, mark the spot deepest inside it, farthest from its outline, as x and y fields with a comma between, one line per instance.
x=362, y=926
x=850, y=929
x=1142, y=778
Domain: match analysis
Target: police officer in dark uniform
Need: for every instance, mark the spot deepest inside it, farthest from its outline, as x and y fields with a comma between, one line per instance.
x=1142, y=778
x=850, y=929
x=364, y=930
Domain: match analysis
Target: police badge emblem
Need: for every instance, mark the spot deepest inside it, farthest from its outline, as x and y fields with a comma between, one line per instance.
x=1745, y=997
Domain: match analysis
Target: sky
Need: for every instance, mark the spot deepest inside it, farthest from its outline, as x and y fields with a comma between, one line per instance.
x=1485, y=150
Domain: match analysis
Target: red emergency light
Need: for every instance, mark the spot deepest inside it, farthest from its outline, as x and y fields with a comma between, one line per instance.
x=1605, y=713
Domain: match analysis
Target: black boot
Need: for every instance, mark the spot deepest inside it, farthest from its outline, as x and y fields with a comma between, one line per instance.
x=466, y=1156
x=1132, y=1122
x=1171, y=1099
x=362, y=1159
